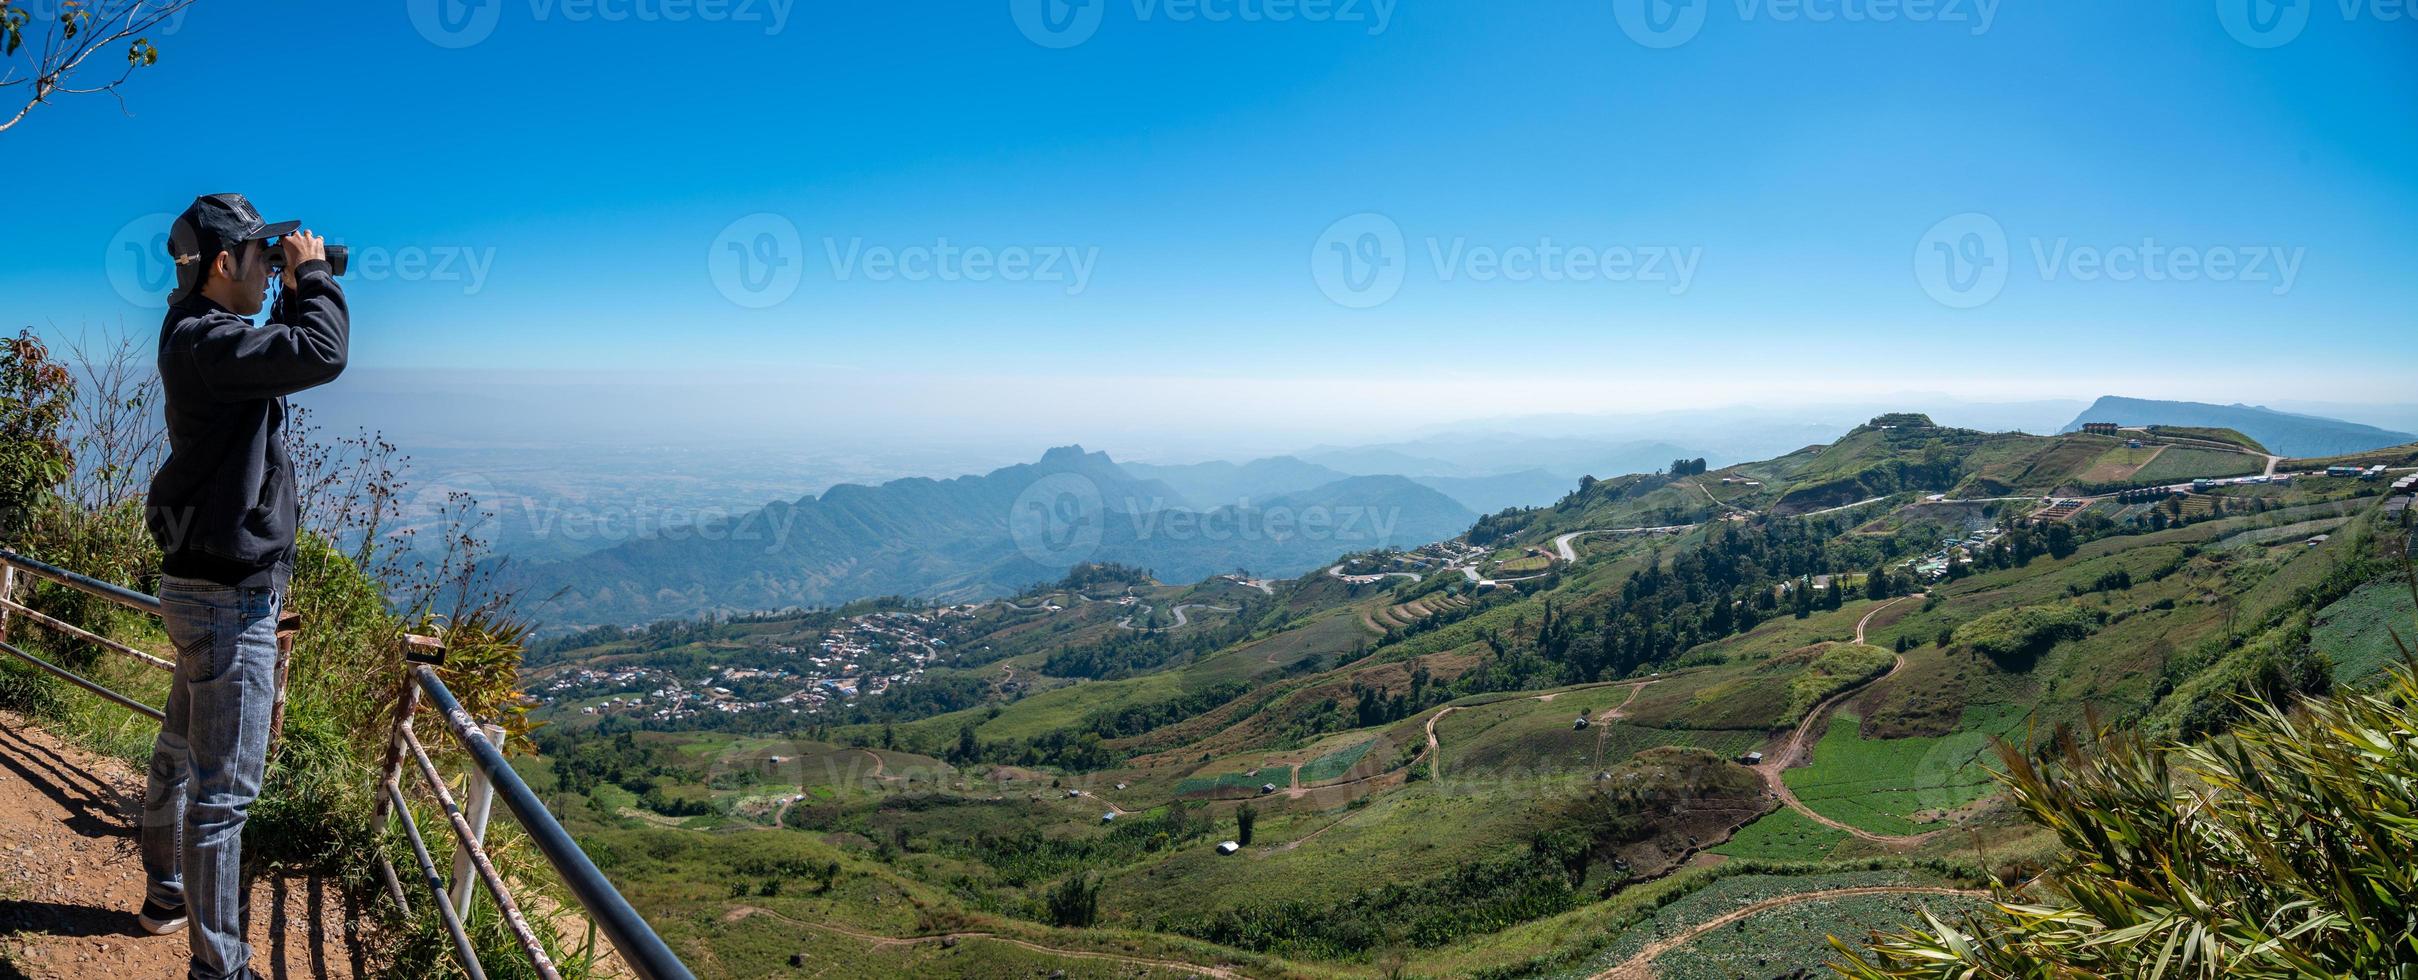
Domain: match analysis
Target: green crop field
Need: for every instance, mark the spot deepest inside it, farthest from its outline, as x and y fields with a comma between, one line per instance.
x=2357, y=632
x=1232, y=783
x=1334, y=765
x=1880, y=785
x=1783, y=835
x=1795, y=939
x=2181, y=463
x=1728, y=894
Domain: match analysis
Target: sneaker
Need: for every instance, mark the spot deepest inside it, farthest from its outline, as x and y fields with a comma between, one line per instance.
x=160, y=920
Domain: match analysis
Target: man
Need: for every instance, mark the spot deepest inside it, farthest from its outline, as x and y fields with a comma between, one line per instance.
x=223, y=511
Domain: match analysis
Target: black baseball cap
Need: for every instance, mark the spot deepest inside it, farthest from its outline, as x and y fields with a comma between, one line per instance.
x=215, y=223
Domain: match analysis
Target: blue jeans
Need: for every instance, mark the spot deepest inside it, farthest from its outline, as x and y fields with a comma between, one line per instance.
x=206, y=765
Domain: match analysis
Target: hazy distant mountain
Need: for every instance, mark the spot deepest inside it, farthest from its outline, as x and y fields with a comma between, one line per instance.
x=1488, y=494
x=974, y=537
x=2288, y=433
x=1497, y=453
x=1219, y=483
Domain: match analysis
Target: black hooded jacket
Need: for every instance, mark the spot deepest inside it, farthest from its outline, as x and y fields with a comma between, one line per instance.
x=222, y=507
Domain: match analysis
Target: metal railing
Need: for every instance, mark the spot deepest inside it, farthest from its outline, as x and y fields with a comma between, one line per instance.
x=636, y=943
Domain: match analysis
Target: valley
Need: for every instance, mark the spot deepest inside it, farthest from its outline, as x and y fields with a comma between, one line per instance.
x=1657, y=728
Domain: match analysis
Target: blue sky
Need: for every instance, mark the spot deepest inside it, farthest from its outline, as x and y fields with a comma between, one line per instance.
x=571, y=195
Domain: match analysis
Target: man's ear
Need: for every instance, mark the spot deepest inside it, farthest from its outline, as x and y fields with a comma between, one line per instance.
x=224, y=267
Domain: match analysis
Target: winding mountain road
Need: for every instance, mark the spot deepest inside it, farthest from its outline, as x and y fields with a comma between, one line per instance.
x=1180, y=621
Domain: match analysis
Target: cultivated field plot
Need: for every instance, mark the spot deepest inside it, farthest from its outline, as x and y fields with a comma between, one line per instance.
x=1881, y=785
x=2119, y=464
x=2356, y=632
x=1336, y=764
x=1783, y=941
x=2181, y=463
x=1227, y=784
x=2287, y=534
x=1813, y=920
x=1783, y=835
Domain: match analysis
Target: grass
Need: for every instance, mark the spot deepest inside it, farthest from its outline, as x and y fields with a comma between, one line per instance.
x=1881, y=784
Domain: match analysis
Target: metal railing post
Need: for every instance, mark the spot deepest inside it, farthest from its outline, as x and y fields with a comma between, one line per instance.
x=8, y=590
x=478, y=800
x=407, y=700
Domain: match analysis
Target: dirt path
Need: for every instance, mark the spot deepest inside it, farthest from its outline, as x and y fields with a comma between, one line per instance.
x=883, y=942
x=1641, y=966
x=1435, y=750
x=70, y=879
x=1772, y=768
x=1875, y=611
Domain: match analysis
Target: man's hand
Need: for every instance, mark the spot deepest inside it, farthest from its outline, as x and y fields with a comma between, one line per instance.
x=300, y=247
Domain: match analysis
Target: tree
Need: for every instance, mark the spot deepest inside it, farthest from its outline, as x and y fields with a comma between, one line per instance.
x=2285, y=850
x=1244, y=820
x=968, y=750
x=1075, y=902
x=59, y=59
x=36, y=395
